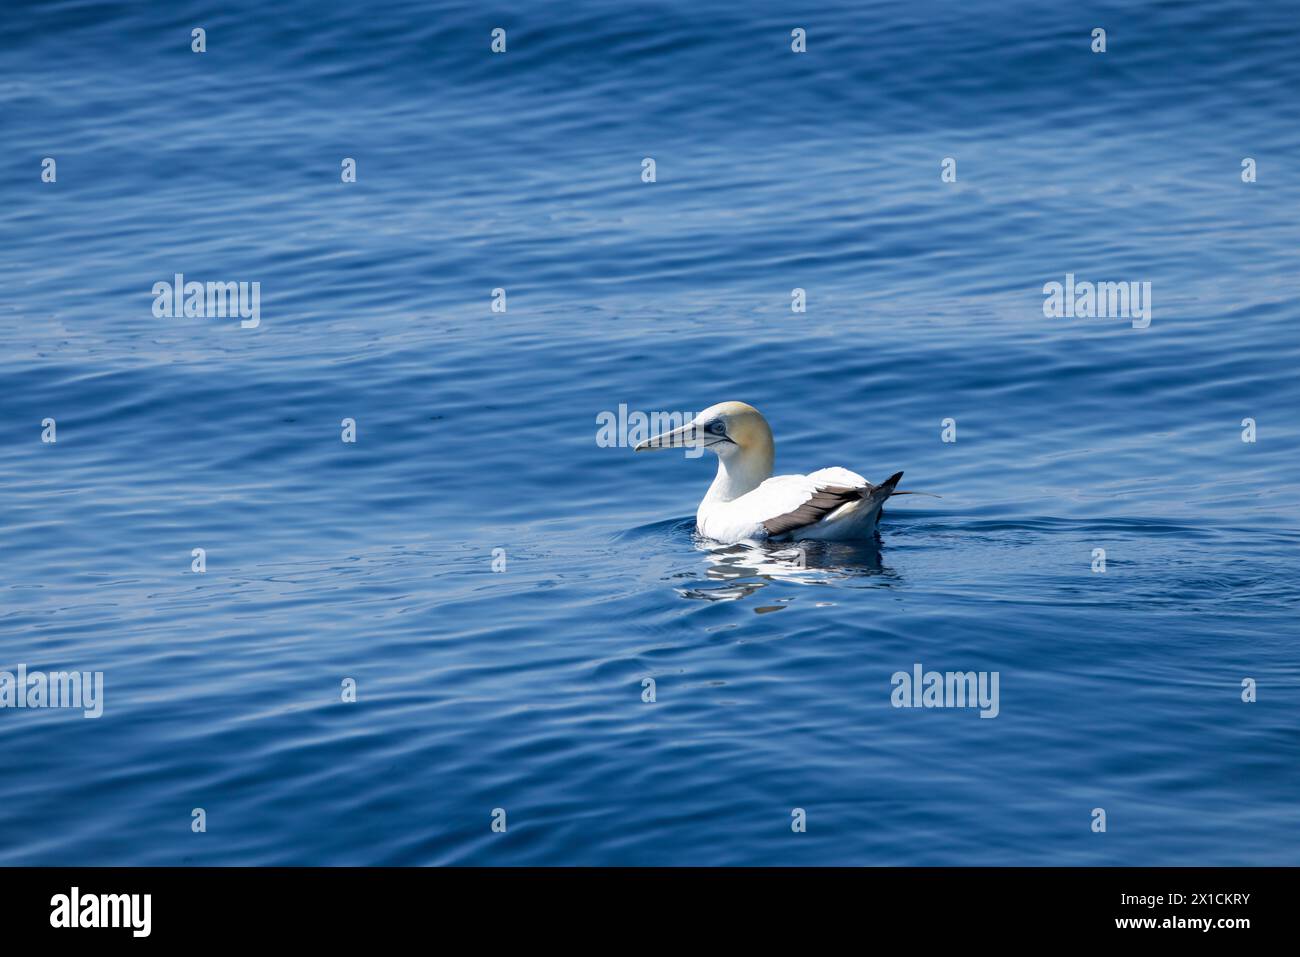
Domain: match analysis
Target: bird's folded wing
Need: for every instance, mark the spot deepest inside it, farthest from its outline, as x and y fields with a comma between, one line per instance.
x=793, y=501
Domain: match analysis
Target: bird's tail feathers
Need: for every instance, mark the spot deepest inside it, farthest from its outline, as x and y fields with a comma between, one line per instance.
x=885, y=489
x=892, y=481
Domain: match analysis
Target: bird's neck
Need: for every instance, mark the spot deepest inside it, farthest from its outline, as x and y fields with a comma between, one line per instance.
x=740, y=473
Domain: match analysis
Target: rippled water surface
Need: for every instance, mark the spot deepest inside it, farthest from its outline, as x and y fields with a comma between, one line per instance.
x=522, y=689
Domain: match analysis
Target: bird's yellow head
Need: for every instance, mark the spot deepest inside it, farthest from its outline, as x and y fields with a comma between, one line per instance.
x=727, y=429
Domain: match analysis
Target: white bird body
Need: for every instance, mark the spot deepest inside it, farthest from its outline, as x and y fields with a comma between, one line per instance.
x=746, y=503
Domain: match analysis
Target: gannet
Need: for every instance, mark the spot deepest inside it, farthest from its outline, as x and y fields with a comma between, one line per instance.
x=746, y=503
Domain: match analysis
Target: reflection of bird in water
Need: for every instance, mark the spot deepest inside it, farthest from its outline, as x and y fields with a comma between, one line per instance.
x=746, y=567
x=745, y=503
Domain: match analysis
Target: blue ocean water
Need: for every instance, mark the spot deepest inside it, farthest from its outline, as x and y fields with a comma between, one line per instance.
x=521, y=689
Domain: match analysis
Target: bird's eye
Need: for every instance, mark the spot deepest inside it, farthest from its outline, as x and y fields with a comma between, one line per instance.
x=717, y=428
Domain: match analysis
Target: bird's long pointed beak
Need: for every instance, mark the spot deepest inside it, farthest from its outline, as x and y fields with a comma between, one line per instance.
x=674, y=439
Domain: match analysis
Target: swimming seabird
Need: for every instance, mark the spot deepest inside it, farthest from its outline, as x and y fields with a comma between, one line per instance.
x=746, y=503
